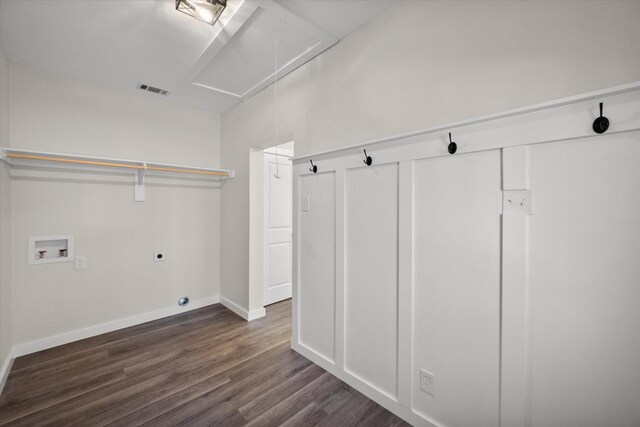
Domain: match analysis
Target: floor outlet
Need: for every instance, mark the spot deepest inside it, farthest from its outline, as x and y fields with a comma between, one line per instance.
x=426, y=381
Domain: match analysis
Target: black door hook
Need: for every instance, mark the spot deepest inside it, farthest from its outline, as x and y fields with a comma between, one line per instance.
x=453, y=147
x=313, y=167
x=367, y=159
x=601, y=124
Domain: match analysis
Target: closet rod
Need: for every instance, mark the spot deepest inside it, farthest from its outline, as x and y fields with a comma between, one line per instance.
x=117, y=165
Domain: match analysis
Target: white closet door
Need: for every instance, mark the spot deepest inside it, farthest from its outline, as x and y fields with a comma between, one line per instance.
x=457, y=211
x=584, y=283
x=278, y=227
x=316, y=290
x=371, y=285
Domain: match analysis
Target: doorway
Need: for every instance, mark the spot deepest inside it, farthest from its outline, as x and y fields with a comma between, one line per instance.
x=278, y=210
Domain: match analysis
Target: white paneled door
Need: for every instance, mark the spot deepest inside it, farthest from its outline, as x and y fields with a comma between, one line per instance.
x=277, y=208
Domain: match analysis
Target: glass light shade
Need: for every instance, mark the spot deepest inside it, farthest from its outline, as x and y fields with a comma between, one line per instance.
x=204, y=10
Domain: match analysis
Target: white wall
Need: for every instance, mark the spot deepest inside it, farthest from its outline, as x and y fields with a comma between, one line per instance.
x=241, y=131
x=418, y=65
x=118, y=236
x=6, y=340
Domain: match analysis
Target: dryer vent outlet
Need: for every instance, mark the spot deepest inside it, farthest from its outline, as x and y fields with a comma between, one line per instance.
x=183, y=301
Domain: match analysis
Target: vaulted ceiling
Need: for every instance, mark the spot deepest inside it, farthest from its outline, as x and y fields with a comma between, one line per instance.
x=126, y=43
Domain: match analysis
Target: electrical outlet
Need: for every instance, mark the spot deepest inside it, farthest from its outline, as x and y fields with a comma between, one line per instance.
x=80, y=262
x=426, y=381
x=159, y=256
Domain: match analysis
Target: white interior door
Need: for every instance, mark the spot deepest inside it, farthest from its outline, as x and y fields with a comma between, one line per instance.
x=277, y=208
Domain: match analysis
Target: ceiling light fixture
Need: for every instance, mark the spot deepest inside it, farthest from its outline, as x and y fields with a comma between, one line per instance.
x=204, y=10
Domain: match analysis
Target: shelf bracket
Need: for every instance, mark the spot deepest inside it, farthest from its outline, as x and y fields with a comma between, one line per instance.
x=138, y=193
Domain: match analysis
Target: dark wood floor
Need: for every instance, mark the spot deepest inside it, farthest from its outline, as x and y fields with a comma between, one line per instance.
x=204, y=367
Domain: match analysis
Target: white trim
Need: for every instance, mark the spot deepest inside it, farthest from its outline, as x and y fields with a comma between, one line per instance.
x=243, y=312
x=339, y=239
x=616, y=90
x=79, y=334
x=406, y=235
x=565, y=122
x=257, y=314
x=514, y=330
x=5, y=369
x=281, y=152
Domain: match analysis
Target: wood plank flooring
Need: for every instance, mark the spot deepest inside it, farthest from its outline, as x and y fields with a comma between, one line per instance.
x=201, y=368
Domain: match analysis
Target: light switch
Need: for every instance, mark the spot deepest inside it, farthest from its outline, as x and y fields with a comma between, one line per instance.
x=305, y=204
x=80, y=262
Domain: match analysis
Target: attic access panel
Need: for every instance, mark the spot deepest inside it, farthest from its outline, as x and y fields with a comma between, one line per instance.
x=248, y=59
x=241, y=60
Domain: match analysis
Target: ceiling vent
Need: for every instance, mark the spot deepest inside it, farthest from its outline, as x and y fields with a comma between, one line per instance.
x=153, y=89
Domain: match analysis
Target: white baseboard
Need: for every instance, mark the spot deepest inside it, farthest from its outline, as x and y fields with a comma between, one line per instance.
x=241, y=311
x=79, y=334
x=4, y=370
